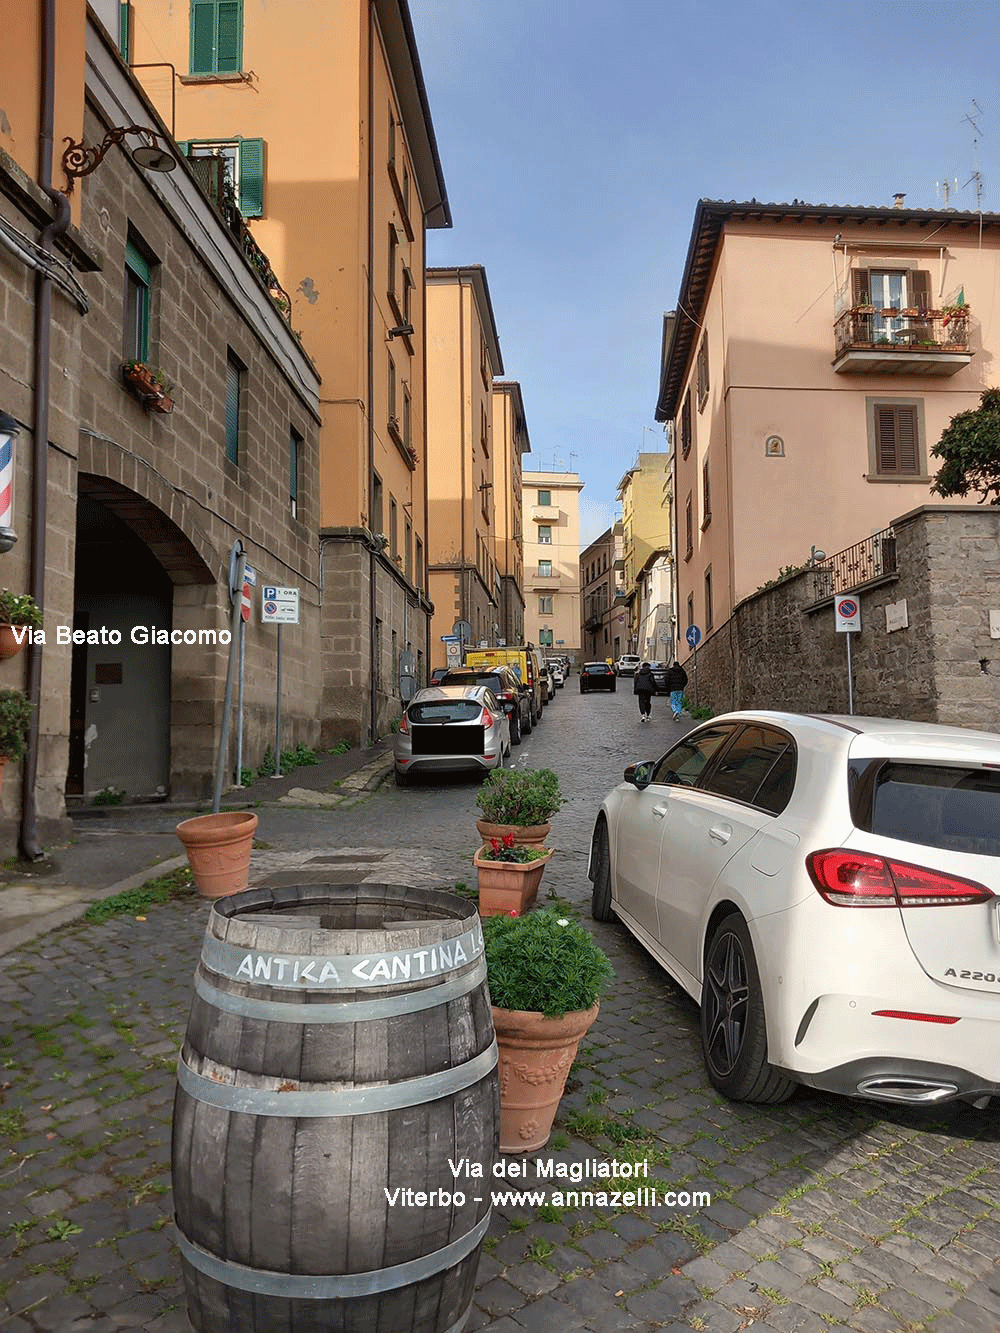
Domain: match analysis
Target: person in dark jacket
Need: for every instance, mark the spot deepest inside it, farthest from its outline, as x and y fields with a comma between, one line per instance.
x=645, y=687
x=676, y=681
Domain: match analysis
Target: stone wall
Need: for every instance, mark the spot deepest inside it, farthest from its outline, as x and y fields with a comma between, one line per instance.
x=780, y=648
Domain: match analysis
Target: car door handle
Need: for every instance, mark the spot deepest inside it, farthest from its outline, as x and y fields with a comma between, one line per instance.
x=659, y=811
x=720, y=832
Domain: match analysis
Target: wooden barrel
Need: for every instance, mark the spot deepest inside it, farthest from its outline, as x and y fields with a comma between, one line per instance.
x=339, y=1054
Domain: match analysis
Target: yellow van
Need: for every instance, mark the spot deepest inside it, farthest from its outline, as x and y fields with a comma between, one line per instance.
x=525, y=661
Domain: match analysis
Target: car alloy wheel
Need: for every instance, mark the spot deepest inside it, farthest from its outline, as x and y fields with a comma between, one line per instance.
x=733, y=1027
x=600, y=901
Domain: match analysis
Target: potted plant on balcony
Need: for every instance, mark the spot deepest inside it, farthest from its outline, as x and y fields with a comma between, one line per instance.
x=956, y=312
x=545, y=974
x=518, y=801
x=15, y=719
x=509, y=875
x=149, y=385
x=19, y=609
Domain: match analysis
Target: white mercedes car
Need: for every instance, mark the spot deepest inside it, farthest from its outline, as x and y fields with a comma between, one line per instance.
x=827, y=889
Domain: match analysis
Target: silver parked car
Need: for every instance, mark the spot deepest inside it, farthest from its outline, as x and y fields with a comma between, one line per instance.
x=448, y=728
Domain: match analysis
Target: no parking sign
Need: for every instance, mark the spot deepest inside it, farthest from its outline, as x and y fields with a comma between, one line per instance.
x=848, y=614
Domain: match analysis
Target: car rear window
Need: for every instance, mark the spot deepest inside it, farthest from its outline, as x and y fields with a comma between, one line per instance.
x=953, y=808
x=596, y=670
x=445, y=710
x=491, y=680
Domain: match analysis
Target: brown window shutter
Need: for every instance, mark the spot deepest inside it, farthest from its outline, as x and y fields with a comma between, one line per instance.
x=920, y=289
x=861, y=286
x=906, y=437
x=896, y=440
x=885, y=439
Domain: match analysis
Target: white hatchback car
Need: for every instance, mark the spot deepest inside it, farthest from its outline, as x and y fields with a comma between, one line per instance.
x=826, y=889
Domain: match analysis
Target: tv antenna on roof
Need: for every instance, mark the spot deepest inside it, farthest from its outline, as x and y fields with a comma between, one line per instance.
x=973, y=119
x=945, y=188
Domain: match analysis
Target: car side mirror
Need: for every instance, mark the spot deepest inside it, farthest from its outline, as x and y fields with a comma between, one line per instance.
x=639, y=775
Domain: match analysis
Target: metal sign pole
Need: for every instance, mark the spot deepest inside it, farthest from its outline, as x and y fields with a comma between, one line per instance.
x=239, y=706
x=220, y=762
x=694, y=667
x=277, y=715
x=850, y=674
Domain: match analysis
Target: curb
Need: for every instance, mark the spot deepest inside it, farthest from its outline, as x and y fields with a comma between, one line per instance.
x=62, y=916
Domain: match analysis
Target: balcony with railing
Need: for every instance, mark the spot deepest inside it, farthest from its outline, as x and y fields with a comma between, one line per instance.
x=864, y=562
x=876, y=341
x=210, y=173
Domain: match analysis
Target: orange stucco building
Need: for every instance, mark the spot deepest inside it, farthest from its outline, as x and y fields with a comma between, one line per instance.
x=511, y=443
x=324, y=136
x=816, y=354
x=463, y=357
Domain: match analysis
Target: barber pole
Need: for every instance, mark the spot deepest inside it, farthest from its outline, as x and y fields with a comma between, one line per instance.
x=9, y=429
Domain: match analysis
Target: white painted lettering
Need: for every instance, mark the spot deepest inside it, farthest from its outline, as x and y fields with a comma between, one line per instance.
x=245, y=968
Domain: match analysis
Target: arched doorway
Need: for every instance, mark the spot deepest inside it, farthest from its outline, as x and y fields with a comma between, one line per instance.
x=129, y=558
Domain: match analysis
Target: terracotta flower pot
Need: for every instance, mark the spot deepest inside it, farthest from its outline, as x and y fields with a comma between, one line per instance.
x=536, y=1054
x=525, y=835
x=218, y=850
x=508, y=886
x=9, y=646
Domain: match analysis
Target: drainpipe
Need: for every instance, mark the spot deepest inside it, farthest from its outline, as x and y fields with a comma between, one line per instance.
x=372, y=563
x=30, y=848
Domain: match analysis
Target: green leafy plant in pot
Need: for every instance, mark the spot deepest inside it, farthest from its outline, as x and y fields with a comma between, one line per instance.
x=15, y=720
x=518, y=801
x=18, y=609
x=546, y=973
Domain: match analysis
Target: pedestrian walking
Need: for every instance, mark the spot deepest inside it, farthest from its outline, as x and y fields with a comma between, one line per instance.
x=645, y=687
x=676, y=681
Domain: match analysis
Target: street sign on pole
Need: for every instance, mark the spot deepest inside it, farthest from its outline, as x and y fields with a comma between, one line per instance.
x=693, y=636
x=848, y=615
x=280, y=606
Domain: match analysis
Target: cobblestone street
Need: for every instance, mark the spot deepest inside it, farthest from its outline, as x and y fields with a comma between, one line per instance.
x=824, y=1212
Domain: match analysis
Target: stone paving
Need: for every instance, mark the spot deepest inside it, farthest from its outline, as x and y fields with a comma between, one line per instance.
x=824, y=1212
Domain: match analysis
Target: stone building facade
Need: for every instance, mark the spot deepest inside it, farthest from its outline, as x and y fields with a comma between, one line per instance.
x=143, y=506
x=929, y=646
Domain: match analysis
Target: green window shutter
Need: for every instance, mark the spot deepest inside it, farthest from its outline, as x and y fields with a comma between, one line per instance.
x=229, y=36
x=124, y=26
x=203, y=16
x=232, y=411
x=252, y=177
x=185, y=146
x=137, y=263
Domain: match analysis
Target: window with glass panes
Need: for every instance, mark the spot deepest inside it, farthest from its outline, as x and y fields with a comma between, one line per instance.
x=294, y=458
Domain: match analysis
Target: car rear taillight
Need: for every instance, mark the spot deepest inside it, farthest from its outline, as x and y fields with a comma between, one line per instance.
x=404, y=726
x=487, y=719
x=861, y=879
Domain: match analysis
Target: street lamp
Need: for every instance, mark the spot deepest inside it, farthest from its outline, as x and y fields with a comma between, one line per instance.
x=151, y=155
x=9, y=430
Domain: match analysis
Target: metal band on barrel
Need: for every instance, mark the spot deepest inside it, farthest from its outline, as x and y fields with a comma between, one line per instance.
x=336, y=1101
x=364, y=1011
x=301, y=971
x=306, y=1286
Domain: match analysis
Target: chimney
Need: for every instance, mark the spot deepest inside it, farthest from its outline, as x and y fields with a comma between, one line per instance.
x=897, y=200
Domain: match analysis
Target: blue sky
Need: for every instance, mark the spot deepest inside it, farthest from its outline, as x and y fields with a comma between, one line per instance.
x=577, y=136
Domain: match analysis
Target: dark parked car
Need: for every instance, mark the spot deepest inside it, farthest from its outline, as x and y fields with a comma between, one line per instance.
x=438, y=674
x=597, y=676
x=659, y=670
x=504, y=683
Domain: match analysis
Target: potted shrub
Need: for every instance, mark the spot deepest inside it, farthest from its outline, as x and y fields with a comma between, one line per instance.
x=15, y=719
x=16, y=609
x=518, y=801
x=509, y=875
x=545, y=974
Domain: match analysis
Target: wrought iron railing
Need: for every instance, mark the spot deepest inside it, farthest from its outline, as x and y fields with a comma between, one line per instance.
x=865, y=329
x=857, y=564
